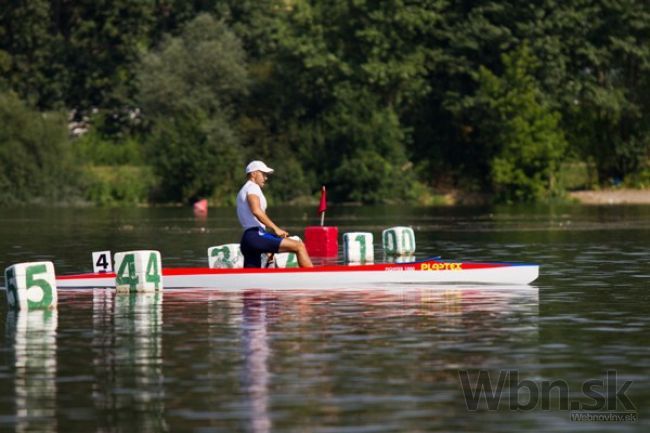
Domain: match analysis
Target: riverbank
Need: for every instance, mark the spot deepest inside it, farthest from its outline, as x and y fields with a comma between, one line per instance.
x=612, y=196
x=591, y=197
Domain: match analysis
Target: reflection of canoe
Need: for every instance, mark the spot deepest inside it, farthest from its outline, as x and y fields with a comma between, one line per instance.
x=432, y=271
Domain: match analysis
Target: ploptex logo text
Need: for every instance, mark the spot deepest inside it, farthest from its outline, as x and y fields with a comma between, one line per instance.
x=482, y=393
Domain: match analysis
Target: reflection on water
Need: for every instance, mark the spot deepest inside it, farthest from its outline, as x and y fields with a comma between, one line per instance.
x=378, y=354
x=256, y=354
x=128, y=360
x=262, y=361
x=356, y=361
x=34, y=343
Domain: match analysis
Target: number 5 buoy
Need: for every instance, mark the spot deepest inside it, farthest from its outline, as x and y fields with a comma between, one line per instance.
x=31, y=286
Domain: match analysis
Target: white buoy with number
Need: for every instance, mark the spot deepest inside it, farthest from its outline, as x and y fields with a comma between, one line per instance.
x=225, y=256
x=138, y=271
x=31, y=286
x=398, y=241
x=358, y=247
x=102, y=262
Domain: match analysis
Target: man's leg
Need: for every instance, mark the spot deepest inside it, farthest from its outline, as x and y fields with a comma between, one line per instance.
x=252, y=260
x=252, y=257
x=292, y=246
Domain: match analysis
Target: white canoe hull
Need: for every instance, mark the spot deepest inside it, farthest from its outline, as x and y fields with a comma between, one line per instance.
x=418, y=273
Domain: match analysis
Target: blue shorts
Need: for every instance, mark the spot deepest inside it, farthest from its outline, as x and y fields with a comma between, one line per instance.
x=256, y=241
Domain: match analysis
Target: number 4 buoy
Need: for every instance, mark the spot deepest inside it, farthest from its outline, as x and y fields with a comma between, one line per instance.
x=102, y=262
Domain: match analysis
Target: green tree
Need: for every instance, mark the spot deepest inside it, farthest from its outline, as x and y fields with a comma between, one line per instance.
x=171, y=16
x=36, y=161
x=369, y=137
x=189, y=89
x=521, y=130
x=471, y=34
x=345, y=70
x=77, y=54
x=28, y=62
x=595, y=58
x=101, y=42
x=609, y=116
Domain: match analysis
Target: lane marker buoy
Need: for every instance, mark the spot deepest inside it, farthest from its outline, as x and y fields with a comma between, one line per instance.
x=31, y=286
x=225, y=256
x=398, y=240
x=138, y=271
x=358, y=247
x=102, y=262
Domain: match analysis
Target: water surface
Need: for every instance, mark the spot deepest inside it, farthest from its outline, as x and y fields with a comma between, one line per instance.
x=327, y=361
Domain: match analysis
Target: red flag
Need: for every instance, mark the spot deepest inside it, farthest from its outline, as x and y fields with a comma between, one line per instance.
x=322, y=207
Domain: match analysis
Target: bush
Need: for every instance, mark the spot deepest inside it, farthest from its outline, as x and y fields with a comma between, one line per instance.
x=188, y=91
x=195, y=158
x=113, y=185
x=365, y=149
x=368, y=177
x=288, y=183
x=92, y=148
x=577, y=175
x=36, y=160
x=641, y=179
x=522, y=130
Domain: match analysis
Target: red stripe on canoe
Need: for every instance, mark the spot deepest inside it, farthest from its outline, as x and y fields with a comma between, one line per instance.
x=417, y=266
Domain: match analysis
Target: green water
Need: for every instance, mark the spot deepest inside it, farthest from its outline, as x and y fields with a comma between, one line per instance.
x=331, y=361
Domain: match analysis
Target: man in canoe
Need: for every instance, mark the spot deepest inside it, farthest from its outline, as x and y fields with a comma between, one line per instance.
x=261, y=235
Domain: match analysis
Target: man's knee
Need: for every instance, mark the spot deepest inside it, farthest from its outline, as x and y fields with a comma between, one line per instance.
x=301, y=247
x=294, y=246
x=297, y=246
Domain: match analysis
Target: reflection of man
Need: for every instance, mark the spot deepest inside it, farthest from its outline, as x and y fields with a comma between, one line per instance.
x=256, y=352
x=251, y=211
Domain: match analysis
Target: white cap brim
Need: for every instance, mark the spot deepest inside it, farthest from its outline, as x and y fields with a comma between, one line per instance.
x=258, y=166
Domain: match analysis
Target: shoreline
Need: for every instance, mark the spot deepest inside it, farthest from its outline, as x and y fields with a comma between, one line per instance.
x=612, y=196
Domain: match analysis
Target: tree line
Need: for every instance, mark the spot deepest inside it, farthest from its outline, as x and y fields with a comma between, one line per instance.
x=381, y=100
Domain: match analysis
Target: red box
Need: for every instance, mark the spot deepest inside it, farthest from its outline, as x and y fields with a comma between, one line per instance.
x=322, y=241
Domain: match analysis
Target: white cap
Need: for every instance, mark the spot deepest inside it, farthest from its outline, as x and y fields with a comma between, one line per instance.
x=258, y=166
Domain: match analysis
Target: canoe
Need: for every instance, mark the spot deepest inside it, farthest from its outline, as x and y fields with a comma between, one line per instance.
x=425, y=272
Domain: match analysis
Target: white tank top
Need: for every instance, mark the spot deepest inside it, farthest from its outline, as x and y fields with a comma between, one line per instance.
x=246, y=217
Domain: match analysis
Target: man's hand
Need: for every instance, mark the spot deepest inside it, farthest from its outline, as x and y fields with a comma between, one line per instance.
x=281, y=233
